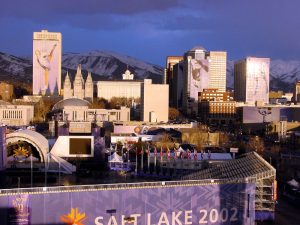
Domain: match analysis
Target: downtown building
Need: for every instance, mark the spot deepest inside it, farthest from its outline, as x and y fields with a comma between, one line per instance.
x=46, y=59
x=198, y=69
x=82, y=89
x=251, y=80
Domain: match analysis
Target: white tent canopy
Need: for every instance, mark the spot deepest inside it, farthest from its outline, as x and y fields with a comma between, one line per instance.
x=115, y=158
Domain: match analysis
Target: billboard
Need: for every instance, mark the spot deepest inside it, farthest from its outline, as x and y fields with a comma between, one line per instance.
x=80, y=146
x=46, y=63
x=145, y=204
x=199, y=77
x=73, y=146
x=257, y=83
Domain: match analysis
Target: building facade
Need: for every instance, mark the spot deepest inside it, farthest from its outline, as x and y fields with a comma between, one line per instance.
x=217, y=70
x=171, y=78
x=6, y=91
x=127, y=87
x=251, y=80
x=202, y=69
x=296, y=94
x=217, y=112
x=84, y=113
x=16, y=115
x=154, y=102
x=82, y=89
x=46, y=60
x=213, y=94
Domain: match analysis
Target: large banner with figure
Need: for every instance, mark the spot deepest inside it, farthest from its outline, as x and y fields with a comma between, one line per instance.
x=199, y=77
x=258, y=72
x=143, y=204
x=46, y=63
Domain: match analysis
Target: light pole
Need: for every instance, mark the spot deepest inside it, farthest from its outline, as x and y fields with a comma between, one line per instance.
x=264, y=112
x=31, y=170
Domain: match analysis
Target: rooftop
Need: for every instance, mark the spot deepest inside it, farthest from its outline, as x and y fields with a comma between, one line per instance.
x=246, y=166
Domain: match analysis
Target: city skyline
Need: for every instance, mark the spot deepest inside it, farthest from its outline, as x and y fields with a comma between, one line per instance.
x=158, y=28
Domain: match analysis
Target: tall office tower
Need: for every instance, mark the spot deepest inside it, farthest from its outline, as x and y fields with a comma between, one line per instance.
x=177, y=89
x=196, y=78
x=46, y=59
x=89, y=88
x=296, y=94
x=78, y=85
x=251, y=80
x=68, y=91
x=169, y=78
x=217, y=70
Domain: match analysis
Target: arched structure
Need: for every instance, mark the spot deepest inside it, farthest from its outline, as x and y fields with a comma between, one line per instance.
x=70, y=102
x=32, y=137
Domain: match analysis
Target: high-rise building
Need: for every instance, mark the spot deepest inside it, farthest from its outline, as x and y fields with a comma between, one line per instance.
x=196, y=78
x=46, y=59
x=187, y=76
x=217, y=70
x=251, y=80
x=170, y=78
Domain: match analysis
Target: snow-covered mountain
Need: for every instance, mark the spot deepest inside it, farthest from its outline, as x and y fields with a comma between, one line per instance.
x=109, y=65
x=283, y=74
x=103, y=65
x=15, y=68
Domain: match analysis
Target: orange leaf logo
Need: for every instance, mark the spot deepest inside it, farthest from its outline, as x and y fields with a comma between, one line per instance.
x=74, y=218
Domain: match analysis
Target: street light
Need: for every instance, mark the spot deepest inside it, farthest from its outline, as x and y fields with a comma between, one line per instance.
x=264, y=112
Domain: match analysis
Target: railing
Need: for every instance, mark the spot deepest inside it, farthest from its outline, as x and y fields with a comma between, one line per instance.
x=160, y=184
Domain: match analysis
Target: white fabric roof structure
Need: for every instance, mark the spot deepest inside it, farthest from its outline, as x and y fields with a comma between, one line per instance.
x=115, y=158
x=32, y=137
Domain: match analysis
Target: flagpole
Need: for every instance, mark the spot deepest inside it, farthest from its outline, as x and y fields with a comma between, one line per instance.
x=136, y=162
x=155, y=153
x=31, y=172
x=148, y=154
x=142, y=159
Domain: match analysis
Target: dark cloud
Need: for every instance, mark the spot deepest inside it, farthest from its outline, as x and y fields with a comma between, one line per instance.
x=258, y=27
x=37, y=9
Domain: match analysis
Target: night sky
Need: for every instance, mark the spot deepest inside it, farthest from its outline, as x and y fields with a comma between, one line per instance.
x=152, y=29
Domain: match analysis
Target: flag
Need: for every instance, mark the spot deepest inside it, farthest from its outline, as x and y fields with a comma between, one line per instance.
x=148, y=156
x=181, y=155
x=188, y=154
x=175, y=153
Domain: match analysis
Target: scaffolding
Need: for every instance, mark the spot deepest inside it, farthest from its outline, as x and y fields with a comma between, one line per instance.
x=249, y=165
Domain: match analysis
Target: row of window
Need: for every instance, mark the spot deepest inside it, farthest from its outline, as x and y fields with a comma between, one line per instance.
x=12, y=114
